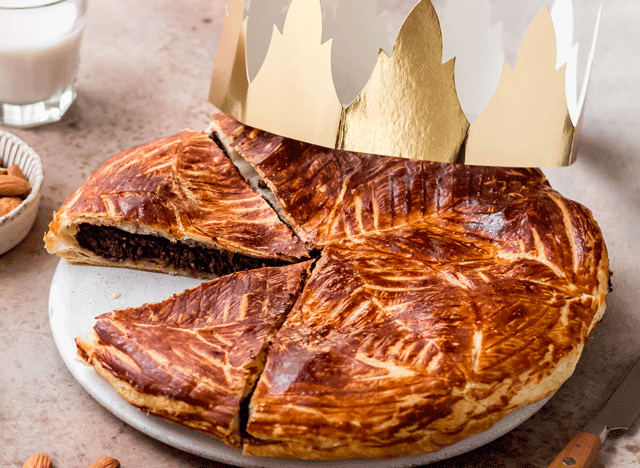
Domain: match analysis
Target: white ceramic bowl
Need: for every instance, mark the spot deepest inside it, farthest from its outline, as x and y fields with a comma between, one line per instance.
x=15, y=226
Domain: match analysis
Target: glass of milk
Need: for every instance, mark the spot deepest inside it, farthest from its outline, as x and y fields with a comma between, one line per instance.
x=39, y=56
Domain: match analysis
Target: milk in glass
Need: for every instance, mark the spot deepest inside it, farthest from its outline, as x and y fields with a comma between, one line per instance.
x=39, y=55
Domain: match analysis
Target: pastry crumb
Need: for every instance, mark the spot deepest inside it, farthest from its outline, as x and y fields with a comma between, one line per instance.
x=116, y=295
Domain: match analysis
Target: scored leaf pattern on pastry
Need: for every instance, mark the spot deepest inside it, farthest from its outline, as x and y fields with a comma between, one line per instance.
x=193, y=357
x=185, y=186
x=446, y=296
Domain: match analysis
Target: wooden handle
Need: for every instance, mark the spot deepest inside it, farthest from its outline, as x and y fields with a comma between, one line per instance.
x=581, y=452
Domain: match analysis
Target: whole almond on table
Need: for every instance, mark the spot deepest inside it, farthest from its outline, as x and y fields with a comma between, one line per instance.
x=39, y=460
x=105, y=462
x=12, y=186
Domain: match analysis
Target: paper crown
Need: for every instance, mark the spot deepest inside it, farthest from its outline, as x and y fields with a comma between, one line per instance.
x=319, y=83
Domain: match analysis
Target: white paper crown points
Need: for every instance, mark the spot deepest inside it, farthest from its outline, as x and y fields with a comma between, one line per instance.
x=330, y=80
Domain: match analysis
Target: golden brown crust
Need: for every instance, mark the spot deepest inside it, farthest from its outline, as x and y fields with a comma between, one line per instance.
x=182, y=188
x=388, y=355
x=192, y=358
x=446, y=297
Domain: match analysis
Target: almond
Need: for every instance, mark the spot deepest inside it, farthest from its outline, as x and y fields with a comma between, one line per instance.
x=105, y=462
x=12, y=186
x=8, y=204
x=39, y=460
x=15, y=170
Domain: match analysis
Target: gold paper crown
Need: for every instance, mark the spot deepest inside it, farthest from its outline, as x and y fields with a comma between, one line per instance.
x=412, y=104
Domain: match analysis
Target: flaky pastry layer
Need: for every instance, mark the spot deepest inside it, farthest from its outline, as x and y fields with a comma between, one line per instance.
x=181, y=188
x=445, y=297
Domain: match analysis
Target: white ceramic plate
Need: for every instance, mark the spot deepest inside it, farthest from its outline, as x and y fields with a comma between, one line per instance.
x=80, y=292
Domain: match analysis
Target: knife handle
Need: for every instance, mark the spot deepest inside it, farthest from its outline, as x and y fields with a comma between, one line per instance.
x=581, y=452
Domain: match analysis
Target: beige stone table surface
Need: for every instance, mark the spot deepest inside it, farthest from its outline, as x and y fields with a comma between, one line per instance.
x=144, y=74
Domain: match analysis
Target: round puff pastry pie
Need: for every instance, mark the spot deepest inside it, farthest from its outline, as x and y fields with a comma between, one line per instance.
x=439, y=299
x=446, y=297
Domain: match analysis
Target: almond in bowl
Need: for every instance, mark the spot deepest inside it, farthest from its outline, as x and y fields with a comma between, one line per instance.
x=21, y=177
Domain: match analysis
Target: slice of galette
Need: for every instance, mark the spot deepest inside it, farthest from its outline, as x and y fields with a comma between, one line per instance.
x=176, y=205
x=193, y=358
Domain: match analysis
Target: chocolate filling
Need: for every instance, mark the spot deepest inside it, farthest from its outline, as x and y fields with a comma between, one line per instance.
x=116, y=245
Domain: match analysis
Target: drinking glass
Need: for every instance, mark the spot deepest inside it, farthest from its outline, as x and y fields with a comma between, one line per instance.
x=39, y=56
